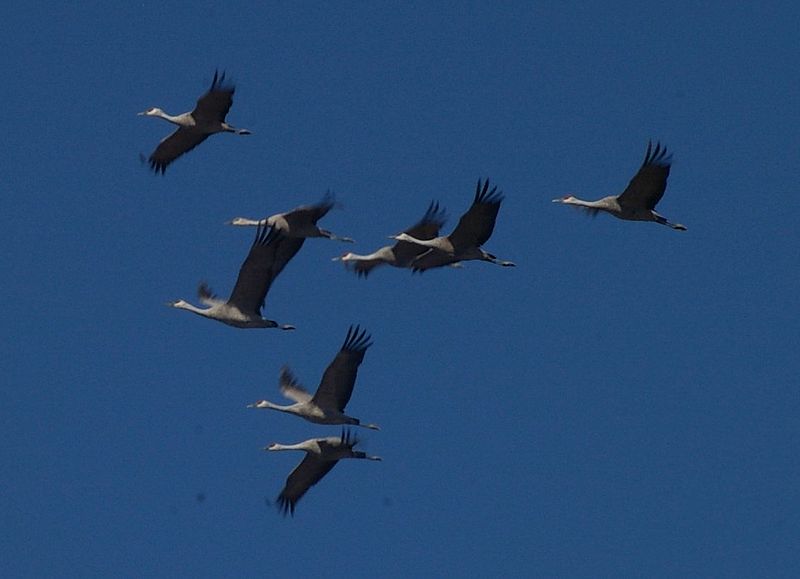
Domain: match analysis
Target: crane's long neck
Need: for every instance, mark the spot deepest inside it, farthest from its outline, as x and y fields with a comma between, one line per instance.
x=174, y=119
x=383, y=254
x=424, y=242
x=267, y=404
x=298, y=446
x=183, y=305
x=244, y=221
x=599, y=204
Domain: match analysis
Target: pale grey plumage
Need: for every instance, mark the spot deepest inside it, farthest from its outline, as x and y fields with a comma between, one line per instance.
x=268, y=255
x=639, y=199
x=194, y=127
x=299, y=222
x=402, y=253
x=464, y=243
x=328, y=403
x=322, y=454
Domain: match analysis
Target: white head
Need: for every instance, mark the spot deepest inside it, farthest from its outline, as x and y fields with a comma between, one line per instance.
x=568, y=198
x=152, y=112
x=347, y=256
x=259, y=404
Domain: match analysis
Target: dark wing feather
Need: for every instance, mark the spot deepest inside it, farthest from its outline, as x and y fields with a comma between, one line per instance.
x=287, y=248
x=257, y=271
x=311, y=213
x=426, y=228
x=363, y=267
x=173, y=146
x=337, y=382
x=215, y=104
x=476, y=225
x=647, y=187
x=305, y=475
x=432, y=258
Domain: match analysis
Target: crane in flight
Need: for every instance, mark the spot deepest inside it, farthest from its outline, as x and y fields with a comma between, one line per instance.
x=194, y=127
x=464, y=243
x=322, y=454
x=638, y=201
x=268, y=255
x=402, y=253
x=327, y=404
x=299, y=222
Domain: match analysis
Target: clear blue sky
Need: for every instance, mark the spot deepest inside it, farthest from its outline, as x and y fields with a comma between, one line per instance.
x=624, y=402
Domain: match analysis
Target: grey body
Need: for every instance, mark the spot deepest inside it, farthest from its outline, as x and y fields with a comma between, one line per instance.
x=322, y=454
x=194, y=127
x=267, y=257
x=639, y=199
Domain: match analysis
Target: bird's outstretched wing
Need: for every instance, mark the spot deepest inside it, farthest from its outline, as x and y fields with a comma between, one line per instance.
x=215, y=104
x=432, y=258
x=476, y=225
x=258, y=271
x=173, y=146
x=647, y=187
x=363, y=267
x=207, y=295
x=310, y=213
x=291, y=388
x=305, y=475
x=424, y=229
x=336, y=387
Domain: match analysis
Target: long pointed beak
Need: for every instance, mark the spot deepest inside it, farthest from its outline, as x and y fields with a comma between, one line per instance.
x=557, y=200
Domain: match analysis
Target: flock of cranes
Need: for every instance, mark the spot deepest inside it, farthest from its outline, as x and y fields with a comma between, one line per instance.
x=279, y=237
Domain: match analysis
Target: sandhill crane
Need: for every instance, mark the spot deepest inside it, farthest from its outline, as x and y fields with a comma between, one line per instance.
x=207, y=118
x=268, y=255
x=638, y=201
x=402, y=253
x=299, y=222
x=464, y=243
x=322, y=454
x=327, y=404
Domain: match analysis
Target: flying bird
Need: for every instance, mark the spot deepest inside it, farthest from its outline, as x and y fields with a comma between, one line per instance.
x=322, y=454
x=207, y=118
x=327, y=404
x=402, y=253
x=639, y=200
x=299, y=222
x=464, y=243
x=268, y=255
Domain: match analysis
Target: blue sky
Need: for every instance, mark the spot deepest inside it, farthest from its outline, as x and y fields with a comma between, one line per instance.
x=624, y=402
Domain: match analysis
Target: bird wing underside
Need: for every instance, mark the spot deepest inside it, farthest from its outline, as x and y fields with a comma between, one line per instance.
x=258, y=271
x=291, y=388
x=432, y=258
x=173, y=146
x=362, y=267
x=647, y=187
x=215, y=104
x=426, y=228
x=337, y=382
x=310, y=213
x=476, y=225
x=304, y=476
